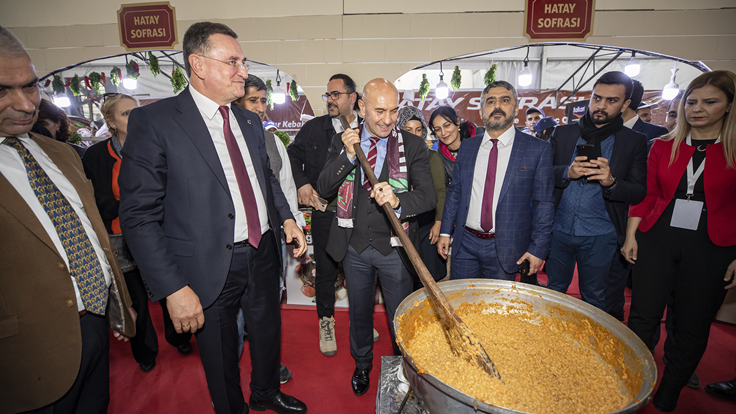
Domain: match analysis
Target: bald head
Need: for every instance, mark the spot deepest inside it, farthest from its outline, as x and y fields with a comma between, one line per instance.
x=380, y=107
x=10, y=46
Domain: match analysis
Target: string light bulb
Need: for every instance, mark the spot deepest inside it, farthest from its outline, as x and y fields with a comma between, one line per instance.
x=633, y=67
x=525, y=76
x=278, y=96
x=671, y=89
x=441, y=91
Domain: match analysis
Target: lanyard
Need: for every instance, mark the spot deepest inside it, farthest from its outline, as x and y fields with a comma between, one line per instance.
x=693, y=177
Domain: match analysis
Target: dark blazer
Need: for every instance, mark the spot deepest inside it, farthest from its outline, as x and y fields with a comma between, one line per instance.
x=308, y=152
x=719, y=182
x=650, y=130
x=40, y=335
x=176, y=212
x=628, y=165
x=421, y=198
x=525, y=208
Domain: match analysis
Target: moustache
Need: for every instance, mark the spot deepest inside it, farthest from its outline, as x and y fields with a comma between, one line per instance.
x=498, y=111
x=601, y=113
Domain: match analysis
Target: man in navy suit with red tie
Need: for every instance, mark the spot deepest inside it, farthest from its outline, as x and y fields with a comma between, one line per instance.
x=198, y=207
x=500, y=203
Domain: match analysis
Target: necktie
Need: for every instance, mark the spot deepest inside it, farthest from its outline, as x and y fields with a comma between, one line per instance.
x=372, y=155
x=486, y=212
x=84, y=265
x=241, y=174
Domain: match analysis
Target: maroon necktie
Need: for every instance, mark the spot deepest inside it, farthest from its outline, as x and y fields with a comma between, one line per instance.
x=372, y=155
x=486, y=212
x=241, y=174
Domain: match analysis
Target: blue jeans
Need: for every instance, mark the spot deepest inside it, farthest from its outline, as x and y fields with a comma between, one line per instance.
x=593, y=255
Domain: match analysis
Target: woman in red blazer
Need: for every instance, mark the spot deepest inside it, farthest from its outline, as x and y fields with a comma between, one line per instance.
x=685, y=244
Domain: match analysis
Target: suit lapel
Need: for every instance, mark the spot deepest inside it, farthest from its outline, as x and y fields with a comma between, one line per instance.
x=618, y=147
x=469, y=169
x=517, y=153
x=190, y=120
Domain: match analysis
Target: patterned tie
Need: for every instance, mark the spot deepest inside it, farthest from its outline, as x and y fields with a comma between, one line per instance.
x=372, y=155
x=84, y=264
x=241, y=175
x=486, y=213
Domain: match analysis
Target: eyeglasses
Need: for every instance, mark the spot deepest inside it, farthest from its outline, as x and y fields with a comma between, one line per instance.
x=233, y=63
x=335, y=95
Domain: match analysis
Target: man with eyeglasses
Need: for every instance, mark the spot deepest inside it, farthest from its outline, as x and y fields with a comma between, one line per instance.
x=199, y=207
x=308, y=154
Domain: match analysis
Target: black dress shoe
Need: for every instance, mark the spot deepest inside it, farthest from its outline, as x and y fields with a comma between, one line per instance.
x=361, y=380
x=147, y=366
x=281, y=403
x=665, y=399
x=725, y=389
x=185, y=348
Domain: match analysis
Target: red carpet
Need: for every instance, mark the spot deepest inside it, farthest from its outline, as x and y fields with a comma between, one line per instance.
x=177, y=383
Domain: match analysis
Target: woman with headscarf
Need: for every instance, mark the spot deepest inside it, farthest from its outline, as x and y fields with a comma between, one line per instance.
x=411, y=120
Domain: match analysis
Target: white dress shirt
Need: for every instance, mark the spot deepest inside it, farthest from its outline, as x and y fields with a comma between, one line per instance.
x=477, y=198
x=338, y=125
x=630, y=123
x=12, y=167
x=286, y=179
x=210, y=111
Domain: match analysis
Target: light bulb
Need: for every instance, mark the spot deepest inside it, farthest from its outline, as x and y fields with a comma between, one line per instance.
x=129, y=83
x=633, y=68
x=525, y=76
x=441, y=91
x=62, y=101
x=671, y=89
x=278, y=96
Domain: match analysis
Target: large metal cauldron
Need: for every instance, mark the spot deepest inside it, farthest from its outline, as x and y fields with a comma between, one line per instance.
x=638, y=365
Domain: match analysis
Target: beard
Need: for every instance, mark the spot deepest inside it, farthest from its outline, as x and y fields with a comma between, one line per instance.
x=332, y=108
x=604, y=120
x=501, y=125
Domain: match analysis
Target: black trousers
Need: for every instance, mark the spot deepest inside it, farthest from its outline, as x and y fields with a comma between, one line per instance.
x=687, y=265
x=616, y=287
x=90, y=393
x=326, y=272
x=436, y=265
x=145, y=342
x=253, y=285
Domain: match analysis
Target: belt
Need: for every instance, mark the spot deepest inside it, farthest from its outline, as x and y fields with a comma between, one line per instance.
x=480, y=234
x=243, y=243
x=82, y=313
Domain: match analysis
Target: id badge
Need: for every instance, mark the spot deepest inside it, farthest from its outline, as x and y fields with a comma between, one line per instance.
x=686, y=214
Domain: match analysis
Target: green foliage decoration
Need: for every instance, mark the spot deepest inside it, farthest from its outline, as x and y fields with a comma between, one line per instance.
x=269, y=94
x=95, y=80
x=283, y=136
x=293, y=92
x=456, y=78
x=490, y=76
x=178, y=81
x=75, y=85
x=132, y=70
x=115, y=76
x=153, y=64
x=57, y=84
x=424, y=87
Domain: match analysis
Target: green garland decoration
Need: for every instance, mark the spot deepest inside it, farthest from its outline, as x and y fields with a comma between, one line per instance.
x=115, y=76
x=57, y=84
x=76, y=138
x=178, y=81
x=293, y=92
x=132, y=70
x=490, y=76
x=424, y=87
x=75, y=85
x=456, y=78
x=283, y=136
x=95, y=80
x=153, y=64
x=269, y=94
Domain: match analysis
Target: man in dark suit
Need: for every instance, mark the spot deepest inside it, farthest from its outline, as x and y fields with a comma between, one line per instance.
x=361, y=235
x=592, y=197
x=199, y=206
x=633, y=121
x=61, y=288
x=500, y=201
x=308, y=154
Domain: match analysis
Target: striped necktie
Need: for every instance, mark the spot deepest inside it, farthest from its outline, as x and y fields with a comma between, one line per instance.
x=84, y=264
x=372, y=155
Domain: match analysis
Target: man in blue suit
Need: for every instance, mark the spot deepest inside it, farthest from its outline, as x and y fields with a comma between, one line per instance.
x=500, y=203
x=198, y=207
x=633, y=121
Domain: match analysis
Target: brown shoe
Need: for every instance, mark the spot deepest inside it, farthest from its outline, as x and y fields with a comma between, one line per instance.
x=327, y=343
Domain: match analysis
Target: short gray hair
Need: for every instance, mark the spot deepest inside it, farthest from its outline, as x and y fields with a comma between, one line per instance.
x=197, y=40
x=501, y=84
x=10, y=46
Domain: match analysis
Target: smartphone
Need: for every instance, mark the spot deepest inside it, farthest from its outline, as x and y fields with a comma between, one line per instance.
x=524, y=268
x=589, y=150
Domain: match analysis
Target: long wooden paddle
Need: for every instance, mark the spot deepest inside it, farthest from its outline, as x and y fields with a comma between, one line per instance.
x=462, y=340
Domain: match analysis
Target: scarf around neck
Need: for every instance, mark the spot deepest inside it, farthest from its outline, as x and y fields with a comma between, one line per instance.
x=594, y=135
x=397, y=178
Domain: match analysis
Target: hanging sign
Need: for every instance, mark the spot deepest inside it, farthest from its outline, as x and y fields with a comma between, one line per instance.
x=146, y=26
x=555, y=20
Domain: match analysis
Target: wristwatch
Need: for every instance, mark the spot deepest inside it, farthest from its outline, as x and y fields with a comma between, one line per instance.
x=613, y=183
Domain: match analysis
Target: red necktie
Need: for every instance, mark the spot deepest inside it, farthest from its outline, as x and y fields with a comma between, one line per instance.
x=372, y=155
x=241, y=174
x=486, y=212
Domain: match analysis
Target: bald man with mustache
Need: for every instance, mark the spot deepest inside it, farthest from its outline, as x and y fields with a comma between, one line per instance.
x=361, y=235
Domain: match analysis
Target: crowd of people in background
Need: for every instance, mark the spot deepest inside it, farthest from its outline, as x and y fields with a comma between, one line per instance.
x=193, y=203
